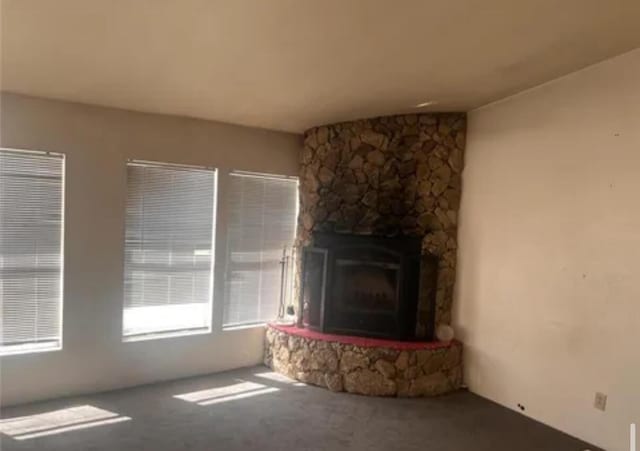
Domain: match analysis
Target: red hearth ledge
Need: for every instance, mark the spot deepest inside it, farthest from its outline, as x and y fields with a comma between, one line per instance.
x=362, y=341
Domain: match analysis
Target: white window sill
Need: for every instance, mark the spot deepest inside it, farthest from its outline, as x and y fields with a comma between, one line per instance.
x=30, y=349
x=162, y=335
x=232, y=327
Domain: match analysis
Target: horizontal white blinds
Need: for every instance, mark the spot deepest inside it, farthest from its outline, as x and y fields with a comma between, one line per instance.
x=31, y=216
x=168, y=249
x=261, y=221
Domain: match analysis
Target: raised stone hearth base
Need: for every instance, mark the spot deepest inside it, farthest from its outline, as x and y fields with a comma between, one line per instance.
x=364, y=366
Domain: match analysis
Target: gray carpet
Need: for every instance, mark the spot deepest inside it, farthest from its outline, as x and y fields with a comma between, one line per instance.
x=244, y=410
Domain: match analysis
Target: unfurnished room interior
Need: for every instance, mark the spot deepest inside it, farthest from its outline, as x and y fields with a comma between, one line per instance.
x=318, y=225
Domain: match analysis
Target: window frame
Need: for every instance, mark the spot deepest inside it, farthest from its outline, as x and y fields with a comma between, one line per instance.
x=229, y=327
x=176, y=333
x=35, y=347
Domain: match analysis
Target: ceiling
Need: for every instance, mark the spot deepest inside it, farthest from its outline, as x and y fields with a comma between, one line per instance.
x=292, y=64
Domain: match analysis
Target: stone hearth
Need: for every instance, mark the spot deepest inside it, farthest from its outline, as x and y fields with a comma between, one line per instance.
x=362, y=365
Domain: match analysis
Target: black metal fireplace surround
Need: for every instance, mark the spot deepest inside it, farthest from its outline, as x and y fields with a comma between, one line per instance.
x=363, y=285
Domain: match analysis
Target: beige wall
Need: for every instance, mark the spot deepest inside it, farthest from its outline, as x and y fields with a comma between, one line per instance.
x=97, y=142
x=548, y=291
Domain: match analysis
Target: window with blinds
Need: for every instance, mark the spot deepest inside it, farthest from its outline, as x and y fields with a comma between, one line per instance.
x=169, y=251
x=31, y=229
x=262, y=215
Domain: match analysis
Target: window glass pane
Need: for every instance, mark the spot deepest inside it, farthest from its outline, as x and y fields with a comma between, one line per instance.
x=168, y=249
x=261, y=222
x=31, y=222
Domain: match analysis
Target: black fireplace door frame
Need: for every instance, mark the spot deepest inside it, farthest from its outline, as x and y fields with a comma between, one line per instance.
x=405, y=251
x=307, y=252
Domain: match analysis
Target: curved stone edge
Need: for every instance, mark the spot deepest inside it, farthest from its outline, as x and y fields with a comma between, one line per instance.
x=374, y=371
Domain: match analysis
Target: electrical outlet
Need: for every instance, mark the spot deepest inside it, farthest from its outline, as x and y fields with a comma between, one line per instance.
x=600, y=402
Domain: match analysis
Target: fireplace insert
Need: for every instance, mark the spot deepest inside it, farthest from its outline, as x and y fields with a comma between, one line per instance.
x=363, y=285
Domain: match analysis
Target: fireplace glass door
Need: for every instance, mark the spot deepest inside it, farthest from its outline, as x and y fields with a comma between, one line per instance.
x=365, y=290
x=361, y=285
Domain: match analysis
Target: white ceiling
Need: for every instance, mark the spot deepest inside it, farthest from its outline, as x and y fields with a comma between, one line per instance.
x=293, y=64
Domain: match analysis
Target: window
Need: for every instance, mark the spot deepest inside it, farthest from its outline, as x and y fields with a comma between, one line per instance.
x=262, y=221
x=168, y=249
x=31, y=223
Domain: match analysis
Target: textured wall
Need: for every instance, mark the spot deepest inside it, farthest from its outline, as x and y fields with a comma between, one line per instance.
x=387, y=176
x=548, y=290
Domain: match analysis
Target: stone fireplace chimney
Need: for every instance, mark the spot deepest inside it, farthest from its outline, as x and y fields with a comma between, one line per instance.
x=389, y=176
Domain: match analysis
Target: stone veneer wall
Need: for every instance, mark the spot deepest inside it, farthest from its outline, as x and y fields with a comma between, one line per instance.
x=386, y=176
x=375, y=371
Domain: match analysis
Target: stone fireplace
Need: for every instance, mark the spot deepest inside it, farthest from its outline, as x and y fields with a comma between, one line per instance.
x=377, y=238
x=388, y=177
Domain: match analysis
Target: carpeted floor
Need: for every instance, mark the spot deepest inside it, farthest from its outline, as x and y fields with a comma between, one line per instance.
x=254, y=409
